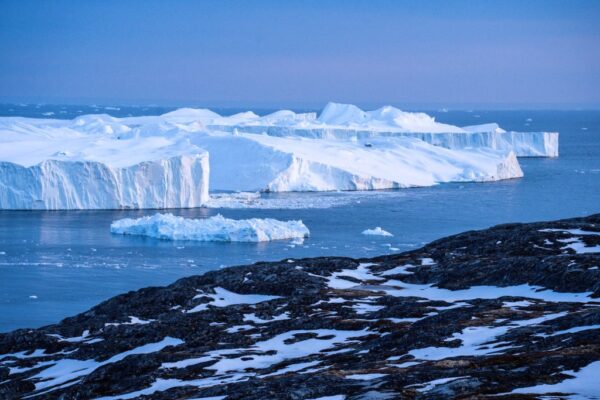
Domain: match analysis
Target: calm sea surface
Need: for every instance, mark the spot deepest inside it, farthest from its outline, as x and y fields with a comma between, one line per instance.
x=56, y=264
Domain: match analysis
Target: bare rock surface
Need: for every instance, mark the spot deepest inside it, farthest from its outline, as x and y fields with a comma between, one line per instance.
x=504, y=313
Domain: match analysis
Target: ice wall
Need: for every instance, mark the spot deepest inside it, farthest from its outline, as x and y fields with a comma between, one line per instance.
x=177, y=182
x=524, y=144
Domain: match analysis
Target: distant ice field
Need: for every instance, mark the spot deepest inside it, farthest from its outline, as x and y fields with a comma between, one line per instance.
x=58, y=263
x=173, y=160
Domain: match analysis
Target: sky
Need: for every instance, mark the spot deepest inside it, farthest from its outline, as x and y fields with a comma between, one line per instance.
x=485, y=53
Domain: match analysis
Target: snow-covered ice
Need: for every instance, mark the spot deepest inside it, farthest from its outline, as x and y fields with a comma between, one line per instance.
x=166, y=161
x=213, y=229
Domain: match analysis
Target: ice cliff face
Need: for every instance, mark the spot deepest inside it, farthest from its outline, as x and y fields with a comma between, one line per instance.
x=348, y=122
x=177, y=182
x=98, y=161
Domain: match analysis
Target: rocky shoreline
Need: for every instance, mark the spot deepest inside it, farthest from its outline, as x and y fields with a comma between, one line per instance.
x=508, y=312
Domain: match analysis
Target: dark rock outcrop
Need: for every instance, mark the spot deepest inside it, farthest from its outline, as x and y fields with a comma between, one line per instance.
x=476, y=315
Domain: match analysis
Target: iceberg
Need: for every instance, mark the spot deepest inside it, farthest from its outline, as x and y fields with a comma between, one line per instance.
x=346, y=121
x=178, y=182
x=167, y=161
x=284, y=164
x=90, y=163
x=213, y=229
x=378, y=231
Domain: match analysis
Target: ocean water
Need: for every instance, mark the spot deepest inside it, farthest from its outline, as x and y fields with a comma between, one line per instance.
x=56, y=264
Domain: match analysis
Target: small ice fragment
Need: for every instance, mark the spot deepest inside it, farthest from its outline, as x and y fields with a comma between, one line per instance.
x=378, y=231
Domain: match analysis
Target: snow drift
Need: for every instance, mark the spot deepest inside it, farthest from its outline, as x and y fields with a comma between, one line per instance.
x=98, y=161
x=213, y=229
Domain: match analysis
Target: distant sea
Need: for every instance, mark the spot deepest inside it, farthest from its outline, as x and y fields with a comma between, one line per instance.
x=58, y=263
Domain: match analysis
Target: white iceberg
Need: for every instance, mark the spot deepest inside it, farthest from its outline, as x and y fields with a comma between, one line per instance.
x=88, y=163
x=348, y=122
x=378, y=231
x=213, y=229
x=98, y=161
x=284, y=164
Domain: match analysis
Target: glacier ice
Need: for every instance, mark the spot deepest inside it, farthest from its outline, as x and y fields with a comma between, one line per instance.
x=213, y=229
x=178, y=182
x=167, y=161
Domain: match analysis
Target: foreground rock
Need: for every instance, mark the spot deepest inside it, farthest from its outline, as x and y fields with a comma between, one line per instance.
x=509, y=312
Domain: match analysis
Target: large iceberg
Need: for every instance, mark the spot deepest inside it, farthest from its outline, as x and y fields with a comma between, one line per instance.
x=248, y=162
x=98, y=161
x=85, y=164
x=346, y=121
x=213, y=229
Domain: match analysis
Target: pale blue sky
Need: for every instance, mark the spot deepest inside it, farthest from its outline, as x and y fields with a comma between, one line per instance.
x=302, y=53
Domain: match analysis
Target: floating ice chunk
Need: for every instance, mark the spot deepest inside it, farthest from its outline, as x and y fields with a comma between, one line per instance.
x=378, y=231
x=213, y=229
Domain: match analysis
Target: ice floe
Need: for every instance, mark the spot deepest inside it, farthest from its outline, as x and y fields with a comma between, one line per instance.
x=213, y=229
